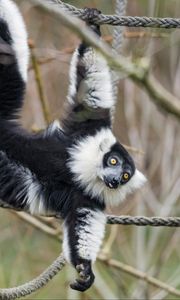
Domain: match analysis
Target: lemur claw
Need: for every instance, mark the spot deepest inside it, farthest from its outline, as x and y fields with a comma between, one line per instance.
x=86, y=278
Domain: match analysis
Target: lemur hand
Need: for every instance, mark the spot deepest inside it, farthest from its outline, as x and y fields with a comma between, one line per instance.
x=90, y=14
x=86, y=277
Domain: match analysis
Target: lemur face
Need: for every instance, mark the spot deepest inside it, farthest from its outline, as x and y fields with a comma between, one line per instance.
x=103, y=168
x=118, y=167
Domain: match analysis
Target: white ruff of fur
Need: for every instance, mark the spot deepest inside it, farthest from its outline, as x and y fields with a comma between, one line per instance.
x=86, y=164
x=10, y=13
x=86, y=160
x=90, y=235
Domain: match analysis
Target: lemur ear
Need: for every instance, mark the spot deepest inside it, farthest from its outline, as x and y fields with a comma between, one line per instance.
x=104, y=145
x=138, y=179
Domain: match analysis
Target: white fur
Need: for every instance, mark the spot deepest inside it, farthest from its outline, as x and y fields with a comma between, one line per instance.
x=73, y=77
x=90, y=235
x=10, y=13
x=116, y=196
x=86, y=158
x=86, y=164
x=96, y=88
x=34, y=197
x=32, y=193
x=65, y=245
x=98, y=78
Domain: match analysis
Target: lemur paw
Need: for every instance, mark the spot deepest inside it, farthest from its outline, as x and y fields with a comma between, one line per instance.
x=89, y=15
x=86, y=277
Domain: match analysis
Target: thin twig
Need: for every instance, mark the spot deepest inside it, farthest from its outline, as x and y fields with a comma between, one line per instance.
x=37, y=224
x=110, y=241
x=139, y=274
x=40, y=86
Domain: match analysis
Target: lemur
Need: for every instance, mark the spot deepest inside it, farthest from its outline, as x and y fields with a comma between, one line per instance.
x=74, y=169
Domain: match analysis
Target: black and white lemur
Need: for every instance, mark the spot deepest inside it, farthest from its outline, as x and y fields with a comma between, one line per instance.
x=75, y=169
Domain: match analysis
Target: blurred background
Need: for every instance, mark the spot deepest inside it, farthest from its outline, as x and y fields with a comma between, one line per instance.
x=27, y=249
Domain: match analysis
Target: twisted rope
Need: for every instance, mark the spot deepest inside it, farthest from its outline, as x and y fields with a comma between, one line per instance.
x=35, y=284
x=144, y=221
x=117, y=46
x=118, y=32
x=43, y=279
x=121, y=20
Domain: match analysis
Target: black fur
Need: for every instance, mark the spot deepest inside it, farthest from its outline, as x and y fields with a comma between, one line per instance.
x=12, y=86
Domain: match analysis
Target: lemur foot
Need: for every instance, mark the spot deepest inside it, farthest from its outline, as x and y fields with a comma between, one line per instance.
x=90, y=14
x=86, y=277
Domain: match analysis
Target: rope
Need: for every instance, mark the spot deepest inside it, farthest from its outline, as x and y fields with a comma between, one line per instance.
x=121, y=20
x=34, y=285
x=144, y=221
x=43, y=279
x=118, y=32
x=117, y=46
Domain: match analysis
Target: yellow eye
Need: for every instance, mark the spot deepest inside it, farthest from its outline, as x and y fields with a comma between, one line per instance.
x=113, y=161
x=126, y=176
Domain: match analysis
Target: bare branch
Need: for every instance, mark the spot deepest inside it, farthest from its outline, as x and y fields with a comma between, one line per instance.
x=37, y=73
x=139, y=274
x=138, y=73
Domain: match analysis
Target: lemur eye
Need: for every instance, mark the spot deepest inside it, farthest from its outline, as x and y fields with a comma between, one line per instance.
x=126, y=176
x=113, y=161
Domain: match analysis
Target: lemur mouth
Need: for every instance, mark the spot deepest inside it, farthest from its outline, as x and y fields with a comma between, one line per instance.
x=111, y=183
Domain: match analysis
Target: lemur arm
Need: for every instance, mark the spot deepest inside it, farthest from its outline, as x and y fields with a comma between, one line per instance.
x=90, y=94
x=83, y=235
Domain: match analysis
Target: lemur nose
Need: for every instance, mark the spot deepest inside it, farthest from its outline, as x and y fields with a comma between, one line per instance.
x=115, y=182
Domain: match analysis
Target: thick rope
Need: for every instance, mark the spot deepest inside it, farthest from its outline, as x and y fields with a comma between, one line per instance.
x=128, y=220
x=117, y=46
x=144, y=221
x=118, y=32
x=36, y=284
x=121, y=20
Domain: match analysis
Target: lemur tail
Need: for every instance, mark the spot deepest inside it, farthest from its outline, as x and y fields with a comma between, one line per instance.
x=14, y=56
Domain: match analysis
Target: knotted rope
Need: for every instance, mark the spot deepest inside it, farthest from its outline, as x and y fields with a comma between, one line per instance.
x=120, y=20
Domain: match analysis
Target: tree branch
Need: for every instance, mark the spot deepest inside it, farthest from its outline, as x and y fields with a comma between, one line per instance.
x=139, y=274
x=138, y=73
